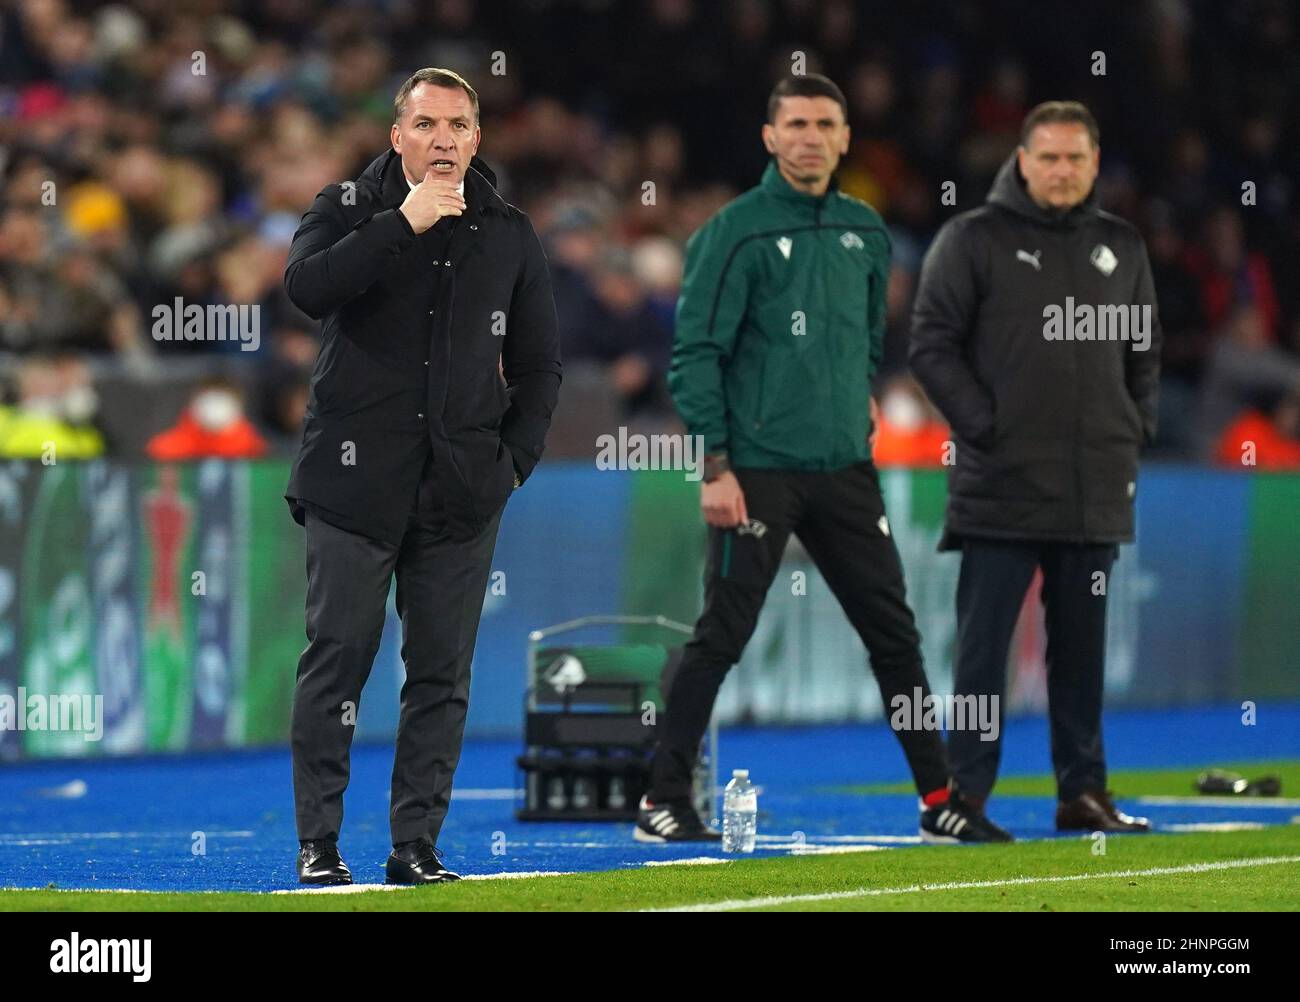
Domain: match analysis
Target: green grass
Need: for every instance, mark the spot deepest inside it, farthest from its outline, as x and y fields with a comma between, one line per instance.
x=1125, y=782
x=904, y=880
x=1268, y=887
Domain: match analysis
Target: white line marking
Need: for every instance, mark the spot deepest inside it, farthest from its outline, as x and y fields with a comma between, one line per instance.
x=487, y=793
x=1245, y=802
x=345, y=889
x=120, y=890
x=868, y=892
x=37, y=841
x=164, y=835
x=355, y=888
x=516, y=875
x=620, y=844
x=1215, y=826
x=693, y=861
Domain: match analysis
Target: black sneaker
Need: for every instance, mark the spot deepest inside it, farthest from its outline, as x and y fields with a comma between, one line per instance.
x=417, y=862
x=319, y=863
x=956, y=820
x=672, y=822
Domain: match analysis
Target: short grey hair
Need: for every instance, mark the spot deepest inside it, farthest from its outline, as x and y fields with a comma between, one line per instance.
x=438, y=78
x=1054, y=112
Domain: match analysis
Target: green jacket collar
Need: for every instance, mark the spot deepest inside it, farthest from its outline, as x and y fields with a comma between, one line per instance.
x=774, y=184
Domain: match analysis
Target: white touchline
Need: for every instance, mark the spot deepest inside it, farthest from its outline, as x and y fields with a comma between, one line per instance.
x=8, y=838
x=1248, y=803
x=488, y=793
x=869, y=892
x=1217, y=826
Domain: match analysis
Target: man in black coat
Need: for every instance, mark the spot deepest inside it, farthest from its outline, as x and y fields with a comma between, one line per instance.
x=430, y=401
x=1035, y=333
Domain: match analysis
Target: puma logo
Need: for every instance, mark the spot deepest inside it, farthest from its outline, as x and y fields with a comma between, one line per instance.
x=1028, y=258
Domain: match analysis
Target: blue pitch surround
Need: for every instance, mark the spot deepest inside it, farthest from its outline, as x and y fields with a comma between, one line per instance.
x=130, y=824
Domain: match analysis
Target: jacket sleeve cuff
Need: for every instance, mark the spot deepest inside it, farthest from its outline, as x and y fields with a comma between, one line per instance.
x=394, y=220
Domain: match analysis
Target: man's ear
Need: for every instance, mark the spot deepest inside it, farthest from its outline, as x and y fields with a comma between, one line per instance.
x=769, y=138
x=395, y=138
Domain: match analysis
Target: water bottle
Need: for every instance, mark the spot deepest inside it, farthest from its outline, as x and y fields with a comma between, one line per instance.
x=555, y=798
x=739, y=813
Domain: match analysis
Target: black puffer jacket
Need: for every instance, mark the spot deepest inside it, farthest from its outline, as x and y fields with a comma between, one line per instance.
x=1046, y=431
x=442, y=341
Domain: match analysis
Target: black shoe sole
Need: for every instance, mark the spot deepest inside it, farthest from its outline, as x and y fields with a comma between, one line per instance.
x=404, y=880
x=650, y=838
x=418, y=883
x=325, y=881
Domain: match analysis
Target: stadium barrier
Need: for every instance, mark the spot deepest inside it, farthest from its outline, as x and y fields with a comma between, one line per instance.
x=175, y=592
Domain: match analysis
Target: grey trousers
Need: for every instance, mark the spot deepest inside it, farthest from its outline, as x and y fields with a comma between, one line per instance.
x=440, y=590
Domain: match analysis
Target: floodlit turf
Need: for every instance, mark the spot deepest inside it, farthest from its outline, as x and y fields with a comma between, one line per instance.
x=1250, y=870
x=216, y=831
x=1125, y=782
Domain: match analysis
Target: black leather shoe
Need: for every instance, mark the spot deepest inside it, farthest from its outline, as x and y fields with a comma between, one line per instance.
x=417, y=862
x=319, y=862
x=1095, y=811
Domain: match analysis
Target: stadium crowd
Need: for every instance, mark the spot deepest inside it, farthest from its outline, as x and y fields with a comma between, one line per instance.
x=167, y=148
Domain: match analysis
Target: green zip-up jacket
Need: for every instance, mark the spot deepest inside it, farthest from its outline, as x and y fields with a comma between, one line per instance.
x=780, y=325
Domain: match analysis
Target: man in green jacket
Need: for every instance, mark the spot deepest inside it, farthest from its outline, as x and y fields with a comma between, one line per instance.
x=780, y=326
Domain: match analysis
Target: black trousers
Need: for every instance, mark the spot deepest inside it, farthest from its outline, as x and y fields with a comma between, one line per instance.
x=990, y=591
x=440, y=589
x=838, y=518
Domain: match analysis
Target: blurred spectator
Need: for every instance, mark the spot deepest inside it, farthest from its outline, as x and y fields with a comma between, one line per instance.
x=1245, y=369
x=51, y=418
x=1186, y=339
x=1231, y=276
x=132, y=173
x=623, y=331
x=213, y=424
x=910, y=431
x=1262, y=440
x=54, y=300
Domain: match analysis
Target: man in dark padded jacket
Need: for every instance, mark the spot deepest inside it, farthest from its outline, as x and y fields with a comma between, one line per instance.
x=1035, y=333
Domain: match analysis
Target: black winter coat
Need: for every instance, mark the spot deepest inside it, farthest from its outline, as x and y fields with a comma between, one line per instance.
x=442, y=341
x=1046, y=431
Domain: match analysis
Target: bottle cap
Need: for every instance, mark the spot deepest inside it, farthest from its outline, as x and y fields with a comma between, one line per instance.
x=740, y=774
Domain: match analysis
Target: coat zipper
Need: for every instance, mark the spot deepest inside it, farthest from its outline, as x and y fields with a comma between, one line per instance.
x=1078, y=412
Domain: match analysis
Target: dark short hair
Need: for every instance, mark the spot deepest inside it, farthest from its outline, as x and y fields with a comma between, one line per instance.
x=810, y=85
x=1052, y=112
x=438, y=78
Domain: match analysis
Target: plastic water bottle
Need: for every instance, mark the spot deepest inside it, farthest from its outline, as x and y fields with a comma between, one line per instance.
x=617, y=798
x=739, y=813
x=581, y=793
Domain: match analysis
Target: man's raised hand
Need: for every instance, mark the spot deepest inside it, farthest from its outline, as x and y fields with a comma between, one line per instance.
x=430, y=200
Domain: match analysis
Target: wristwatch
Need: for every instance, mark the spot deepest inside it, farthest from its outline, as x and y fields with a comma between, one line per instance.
x=715, y=466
